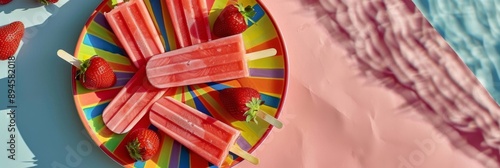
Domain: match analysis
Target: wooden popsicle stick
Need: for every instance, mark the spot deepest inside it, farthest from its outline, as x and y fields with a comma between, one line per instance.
x=270, y=119
x=69, y=58
x=244, y=154
x=261, y=54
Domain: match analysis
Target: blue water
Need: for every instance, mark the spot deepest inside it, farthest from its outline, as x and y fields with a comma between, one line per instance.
x=471, y=27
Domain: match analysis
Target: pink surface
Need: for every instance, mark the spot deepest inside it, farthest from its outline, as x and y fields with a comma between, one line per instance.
x=372, y=85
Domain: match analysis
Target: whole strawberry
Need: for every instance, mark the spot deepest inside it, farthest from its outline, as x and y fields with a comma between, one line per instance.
x=242, y=103
x=3, y=2
x=47, y=2
x=96, y=73
x=10, y=37
x=233, y=20
x=143, y=144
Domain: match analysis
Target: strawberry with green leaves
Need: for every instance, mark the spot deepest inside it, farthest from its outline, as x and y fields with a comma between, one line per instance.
x=10, y=38
x=233, y=20
x=96, y=73
x=242, y=103
x=143, y=144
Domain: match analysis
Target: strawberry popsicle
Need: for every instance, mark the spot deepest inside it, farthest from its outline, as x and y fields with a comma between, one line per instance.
x=135, y=30
x=131, y=103
x=190, y=20
x=216, y=60
x=202, y=134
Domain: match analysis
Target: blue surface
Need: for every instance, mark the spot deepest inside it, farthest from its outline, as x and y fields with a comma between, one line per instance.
x=46, y=115
x=471, y=27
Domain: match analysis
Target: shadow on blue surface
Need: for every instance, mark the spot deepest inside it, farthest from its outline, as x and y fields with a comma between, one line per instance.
x=46, y=114
x=19, y=5
x=3, y=92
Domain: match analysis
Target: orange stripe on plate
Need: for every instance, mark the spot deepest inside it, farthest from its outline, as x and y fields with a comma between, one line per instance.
x=105, y=132
x=273, y=43
x=131, y=165
x=93, y=97
x=170, y=92
x=231, y=83
x=121, y=67
x=264, y=84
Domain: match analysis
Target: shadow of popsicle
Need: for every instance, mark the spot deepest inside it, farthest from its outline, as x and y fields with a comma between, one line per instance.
x=384, y=55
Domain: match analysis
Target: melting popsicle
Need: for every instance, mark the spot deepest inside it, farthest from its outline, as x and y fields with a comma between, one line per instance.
x=200, y=133
x=134, y=28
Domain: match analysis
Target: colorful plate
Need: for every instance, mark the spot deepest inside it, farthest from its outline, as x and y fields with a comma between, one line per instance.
x=268, y=76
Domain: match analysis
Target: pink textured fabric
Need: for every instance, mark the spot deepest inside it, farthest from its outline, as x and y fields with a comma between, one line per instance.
x=409, y=89
x=391, y=41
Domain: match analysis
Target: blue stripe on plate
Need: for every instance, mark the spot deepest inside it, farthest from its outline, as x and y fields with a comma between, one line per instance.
x=270, y=100
x=92, y=112
x=259, y=13
x=99, y=43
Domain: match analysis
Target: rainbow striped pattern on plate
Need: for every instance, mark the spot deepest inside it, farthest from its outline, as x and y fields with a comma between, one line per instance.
x=268, y=76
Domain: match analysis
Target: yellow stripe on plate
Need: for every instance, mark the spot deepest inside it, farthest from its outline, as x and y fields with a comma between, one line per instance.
x=275, y=62
x=96, y=104
x=169, y=28
x=87, y=51
x=94, y=123
x=166, y=149
x=247, y=2
x=217, y=7
x=269, y=110
x=262, y=31
x=189, y=98
x=178, y=94
x=101, y=32
x=277, y=95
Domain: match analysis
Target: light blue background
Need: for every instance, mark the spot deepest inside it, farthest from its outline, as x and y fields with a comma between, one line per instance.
x=46, y=112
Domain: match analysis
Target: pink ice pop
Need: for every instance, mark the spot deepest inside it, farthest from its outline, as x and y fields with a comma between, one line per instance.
x=217, y=60
x=202, y=134
x=131, y=103
x=190, y=21
x=135, y=30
